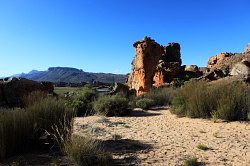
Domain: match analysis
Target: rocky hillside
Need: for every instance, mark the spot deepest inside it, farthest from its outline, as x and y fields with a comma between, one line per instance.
x=228, y=64
x=72, y=75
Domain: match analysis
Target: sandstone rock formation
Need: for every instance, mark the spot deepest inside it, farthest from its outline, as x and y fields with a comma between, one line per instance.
x=12, y=90
x=192, y=68
x=241, y=69
x=148, y=54
x=153, y=65
x=212, y=61
x=219, y=66
x=247, y=50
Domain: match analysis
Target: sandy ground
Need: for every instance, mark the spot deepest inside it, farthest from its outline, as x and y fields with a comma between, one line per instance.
x=156, y=137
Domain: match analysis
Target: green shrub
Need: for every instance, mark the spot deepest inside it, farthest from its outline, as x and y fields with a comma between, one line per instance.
x=233, y=103
x=21, y=129
x=82, y=103
x=87, y=152
x=111, y=106
x=161, y=96
x=145, y=103
x=203, y=147
x=230, y=101
x=192, y=161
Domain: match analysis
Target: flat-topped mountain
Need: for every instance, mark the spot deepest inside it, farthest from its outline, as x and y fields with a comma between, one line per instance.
x=72, y=75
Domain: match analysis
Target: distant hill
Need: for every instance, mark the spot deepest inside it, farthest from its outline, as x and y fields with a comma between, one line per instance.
x=72, y=75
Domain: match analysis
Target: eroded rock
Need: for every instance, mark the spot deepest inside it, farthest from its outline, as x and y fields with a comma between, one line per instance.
x=241, y=69
x=153, y=65
x=247, y=50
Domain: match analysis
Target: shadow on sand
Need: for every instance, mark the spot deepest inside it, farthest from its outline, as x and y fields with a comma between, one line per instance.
x=141, y=113
x=125, y=150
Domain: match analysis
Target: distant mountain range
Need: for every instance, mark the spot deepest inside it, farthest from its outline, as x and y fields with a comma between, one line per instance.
x=72, y=75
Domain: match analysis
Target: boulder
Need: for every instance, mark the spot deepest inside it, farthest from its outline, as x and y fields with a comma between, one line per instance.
x=241, y=69
x=14, y=89
x=192, y=68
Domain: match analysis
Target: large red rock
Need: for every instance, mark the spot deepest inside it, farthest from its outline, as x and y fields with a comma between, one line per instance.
x=212, y=61
x=148, y=54
x=153, y=65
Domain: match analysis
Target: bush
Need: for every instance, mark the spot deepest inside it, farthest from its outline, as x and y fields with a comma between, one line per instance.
x=192, y=161
x=21, y=129
x=161, y=96
x=85, y=151
x=230, y=101
x=82, y=103
x=145, y=103
x=111, y=106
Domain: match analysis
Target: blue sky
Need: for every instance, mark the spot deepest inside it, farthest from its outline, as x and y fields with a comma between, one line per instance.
x=97, y=35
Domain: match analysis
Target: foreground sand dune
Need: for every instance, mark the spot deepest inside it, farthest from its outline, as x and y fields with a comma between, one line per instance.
x=160, y=138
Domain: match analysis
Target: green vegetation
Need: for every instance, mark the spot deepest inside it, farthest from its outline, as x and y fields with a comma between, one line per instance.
x=21, y=129
x=203, y=147
x=46, y=122
x=145, y=103
x=82, y=102
x=116, y=137
x=111, y=106
x=199, y=99
x=86, y=151
x=63, y=90
x=192, y=161
x=156, y=97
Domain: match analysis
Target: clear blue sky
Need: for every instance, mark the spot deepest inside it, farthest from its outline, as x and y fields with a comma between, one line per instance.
x=97, y=35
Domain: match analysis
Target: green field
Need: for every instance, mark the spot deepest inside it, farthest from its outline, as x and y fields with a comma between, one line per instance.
x=62, y=90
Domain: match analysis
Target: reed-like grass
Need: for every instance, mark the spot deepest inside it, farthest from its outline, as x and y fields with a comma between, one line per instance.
x=199, y=99
x=21, y=129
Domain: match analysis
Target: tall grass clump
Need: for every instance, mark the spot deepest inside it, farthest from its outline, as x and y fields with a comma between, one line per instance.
x=161, y=96
x=83, y=102
x=21, y=129
x=16, y=131
x=86, y=151
x=228, y=101
x=111, y=106
x=155, y=97
x=49, y=114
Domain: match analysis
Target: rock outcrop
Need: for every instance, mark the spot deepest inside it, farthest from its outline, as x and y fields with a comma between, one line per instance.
x=222, y=65
x=241, y=69
x=148, y=54
x=212, y=61
x=153, y=65
x=12, y=90
x=247, y=50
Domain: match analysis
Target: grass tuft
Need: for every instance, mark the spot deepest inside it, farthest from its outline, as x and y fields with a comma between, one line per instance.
x=203, y=147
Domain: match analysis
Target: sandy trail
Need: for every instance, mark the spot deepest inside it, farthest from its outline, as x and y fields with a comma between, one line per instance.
x=160, y=138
